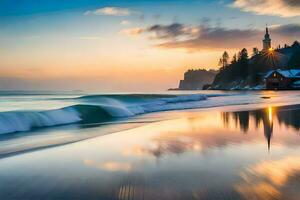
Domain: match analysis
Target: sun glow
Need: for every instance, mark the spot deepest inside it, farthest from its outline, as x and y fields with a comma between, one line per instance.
x=270, y=113
x=273, y=57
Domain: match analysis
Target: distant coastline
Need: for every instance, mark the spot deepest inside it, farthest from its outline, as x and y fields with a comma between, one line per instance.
x=196, y=79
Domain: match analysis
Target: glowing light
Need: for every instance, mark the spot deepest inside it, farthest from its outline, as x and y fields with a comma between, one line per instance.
x=270, y=113
x=272, y=57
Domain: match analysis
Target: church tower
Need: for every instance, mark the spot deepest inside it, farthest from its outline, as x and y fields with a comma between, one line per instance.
x=267, y=41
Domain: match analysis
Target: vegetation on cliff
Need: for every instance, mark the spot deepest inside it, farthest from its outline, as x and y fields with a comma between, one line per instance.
x=242, y=72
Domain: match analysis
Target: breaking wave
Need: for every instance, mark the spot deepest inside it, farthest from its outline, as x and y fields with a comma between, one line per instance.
x=95, y=109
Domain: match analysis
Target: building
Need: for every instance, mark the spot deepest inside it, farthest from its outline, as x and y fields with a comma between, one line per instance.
x=283, y=79
x=267, y=41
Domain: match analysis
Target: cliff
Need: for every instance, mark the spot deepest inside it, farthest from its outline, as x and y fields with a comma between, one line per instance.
x=196, y=79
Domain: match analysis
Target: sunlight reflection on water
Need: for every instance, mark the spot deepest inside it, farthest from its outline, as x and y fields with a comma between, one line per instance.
x=210, y=155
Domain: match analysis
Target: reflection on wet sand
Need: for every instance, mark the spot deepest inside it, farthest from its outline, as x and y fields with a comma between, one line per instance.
x=264, y=180
x=274, y=179
x=286, y=116
x=132, y=188
x=109, y=165
x=262, y=117
x=208, y=155
x=219, y=130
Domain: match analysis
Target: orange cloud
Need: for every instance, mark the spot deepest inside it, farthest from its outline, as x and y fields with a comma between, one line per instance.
x=283, y=8
x=133, y=32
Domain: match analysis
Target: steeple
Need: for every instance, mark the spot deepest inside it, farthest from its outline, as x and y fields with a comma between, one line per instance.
x=267, y=40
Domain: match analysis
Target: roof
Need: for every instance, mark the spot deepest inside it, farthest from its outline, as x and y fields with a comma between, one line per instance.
x=292, y=73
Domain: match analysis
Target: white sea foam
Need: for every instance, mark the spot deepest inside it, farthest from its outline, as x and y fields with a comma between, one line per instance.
x=103, y=108
x=25, y=121
x=97, y=108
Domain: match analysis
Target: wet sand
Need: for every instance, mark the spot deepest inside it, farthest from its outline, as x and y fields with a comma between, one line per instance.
x=195, y=155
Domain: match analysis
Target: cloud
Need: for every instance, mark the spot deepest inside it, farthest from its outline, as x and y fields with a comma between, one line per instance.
x=203, y=37
x=289, y=30
x=111, y=11
x=125, y=22
x=216, y=38
x=132, y=32
x=293, y=2
x=200, y=37
x=283, y=8
x=172, y=31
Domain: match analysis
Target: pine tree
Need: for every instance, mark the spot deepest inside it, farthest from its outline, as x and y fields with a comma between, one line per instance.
x=223, y=62
x=234, y=59
x=255, y=51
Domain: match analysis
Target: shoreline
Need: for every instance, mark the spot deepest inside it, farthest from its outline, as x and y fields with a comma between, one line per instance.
x=161, y=116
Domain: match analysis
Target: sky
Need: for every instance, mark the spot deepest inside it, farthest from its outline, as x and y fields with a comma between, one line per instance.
x=130, y=45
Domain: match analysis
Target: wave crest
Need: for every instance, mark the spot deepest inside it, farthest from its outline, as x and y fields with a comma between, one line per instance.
x=95, y=109
x=27, y=120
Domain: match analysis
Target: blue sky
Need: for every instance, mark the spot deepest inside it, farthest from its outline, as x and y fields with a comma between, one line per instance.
x=191, y=11
x=82, y=41
x=22, y=17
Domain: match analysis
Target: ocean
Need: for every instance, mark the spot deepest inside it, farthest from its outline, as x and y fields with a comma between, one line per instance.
x=170, y=145
x=32, y=120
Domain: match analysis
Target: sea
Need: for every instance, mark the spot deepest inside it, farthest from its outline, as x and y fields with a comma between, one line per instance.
x=39, y=119
x=211, y=145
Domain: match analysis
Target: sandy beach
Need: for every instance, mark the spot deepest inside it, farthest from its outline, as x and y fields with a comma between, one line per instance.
x=212, y=154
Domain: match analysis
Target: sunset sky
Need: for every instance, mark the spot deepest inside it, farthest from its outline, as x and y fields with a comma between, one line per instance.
x=130, y=45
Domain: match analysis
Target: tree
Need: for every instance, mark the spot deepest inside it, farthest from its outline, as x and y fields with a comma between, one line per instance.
x=234, y=59
x=239, y=56
x=278, y=47
x=243, y=63
x=255, y=51
x=244, y=55
x=223, y=62
x=296, y=44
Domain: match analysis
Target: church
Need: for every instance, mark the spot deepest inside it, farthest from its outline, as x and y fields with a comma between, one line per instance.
x=279, y=79
x=267, y=41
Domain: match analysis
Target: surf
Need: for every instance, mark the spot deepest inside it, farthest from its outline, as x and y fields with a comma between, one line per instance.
x=96, y=109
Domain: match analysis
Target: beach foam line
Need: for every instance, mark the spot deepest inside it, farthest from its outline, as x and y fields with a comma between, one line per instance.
x=95, y=109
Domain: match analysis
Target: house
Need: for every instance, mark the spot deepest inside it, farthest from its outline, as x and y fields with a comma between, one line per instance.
x=283, y=79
